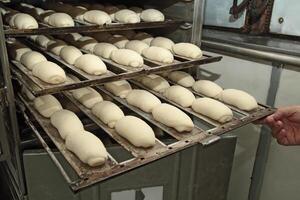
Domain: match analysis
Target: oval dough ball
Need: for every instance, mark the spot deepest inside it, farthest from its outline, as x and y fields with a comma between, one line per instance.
x=239, y=99
x=70, y=54
x=49, y=72
x=88, y=148
x=20, y=52
x=30, y=58
x=104, y=49
x=42, y=40
x=27, y=93
x=25, y=21
x=142, y=99
x=55, y=46
x=60, y=20
x=127, y=16
x=172, y=117
x=66, y=122
x=152, y=15
x=86, y=42
x=155, y=82
x=182, y=78
x=163, y=42
x=87, y=96
x=136, y=45
x=97, y=17
x=118, y=88
x=212, y=109
x=47, y=105
x=127, y=57
x=180, y=95
x=136, y=131
x=91, y=64
x=187, y=50
x=158, y=54
x=207, y=88
x=108, y=112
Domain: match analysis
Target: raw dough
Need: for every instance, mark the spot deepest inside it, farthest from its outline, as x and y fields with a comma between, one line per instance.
x=118, y=88
x=188, y=50
x=87, y=96
x=126, y=16
x=88, y=148
x=49, y=72
x=60, y=20
x=55, y=46
x=127, y=57
x=118, y=40
x=212, y=109
x=155, y=82
x=108, y=112
x=70, y=54
x=136, y=45
x=30, y=58
x=182, y=78
x=47, y=105
x=180, y=95
x=104, y=49
x=137, y=10
x=136, y=131
x=173, y=117
x=25, y=21
x=162, y=42
x=152, y=15
x=239, y=98
x=86, y=42
x=142, y=99
x=158, y=54
x=91, y=64
x=97, y=17
x=42, y=40
x=27, y=93
x=207, y=88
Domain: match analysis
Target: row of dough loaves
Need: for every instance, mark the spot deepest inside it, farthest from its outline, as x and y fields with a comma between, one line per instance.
x=19, y=20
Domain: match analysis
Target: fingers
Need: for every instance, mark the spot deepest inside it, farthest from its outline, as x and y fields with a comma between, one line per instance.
x=284, y=112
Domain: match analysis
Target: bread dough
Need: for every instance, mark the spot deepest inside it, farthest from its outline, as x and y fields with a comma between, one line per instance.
x=155, y=82
x=207, y=88
x=25, y=21
x=127, y=57
x=108, y=112
x=137, y=10
x=126, y=16
x=20, y=52
x=163, y=42
x=147, y=40
x=118, y=40
x=30, y=58
x=144, y=37
x=239, y=99
x=152, y=15
x=91, y=64
x=87, y=96
x=118, y=88
x=142, y=99
x=70, y=54
x=66, y=122
x=47, y=105
x=158, y=54
x=27, y=93
x=86, y=42
x=104, y=49
x=61, y=20
x=136, y=45
x=182, y=78
x=55, y=46
x=42, y=40
x=188, y=50
x=212, y=109
x=97, y=17
x=180, y=95
x=49, y=72
x=136, y=131
x=172, y=117
x=88, y=148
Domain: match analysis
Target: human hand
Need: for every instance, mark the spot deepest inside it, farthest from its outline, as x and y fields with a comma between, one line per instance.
x=285, y=125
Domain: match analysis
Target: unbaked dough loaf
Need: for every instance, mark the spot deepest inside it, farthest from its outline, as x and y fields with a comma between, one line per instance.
x=212, y=109
x=91, y=64
x=108, y=112
x=49, y=72
x=136, y=45
x=87, y=147
x=19, y=52
x=30, y=58
x=60, y=20
x=136, y=131
x=118, y=40
x=118, y=88
x=162, y=42
x=66, y=122
x=55, y=46
x=173, y=117
x=144, y=37
x=25, y=21
x=126, y=16
x=142, y=99
x=180, y=95
x=188, y=50
x=207, y=88
x=97, y=17
x=155, y=82
x=47, y=105
x=158, y=54
x=182, y=78
x=127, y=57
x=27, y=93
x=42, y=40
x=86, y=42
x=70, y=54
x=152, y=15
x=87, y=96
x=104, y=49
x=239, y=98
